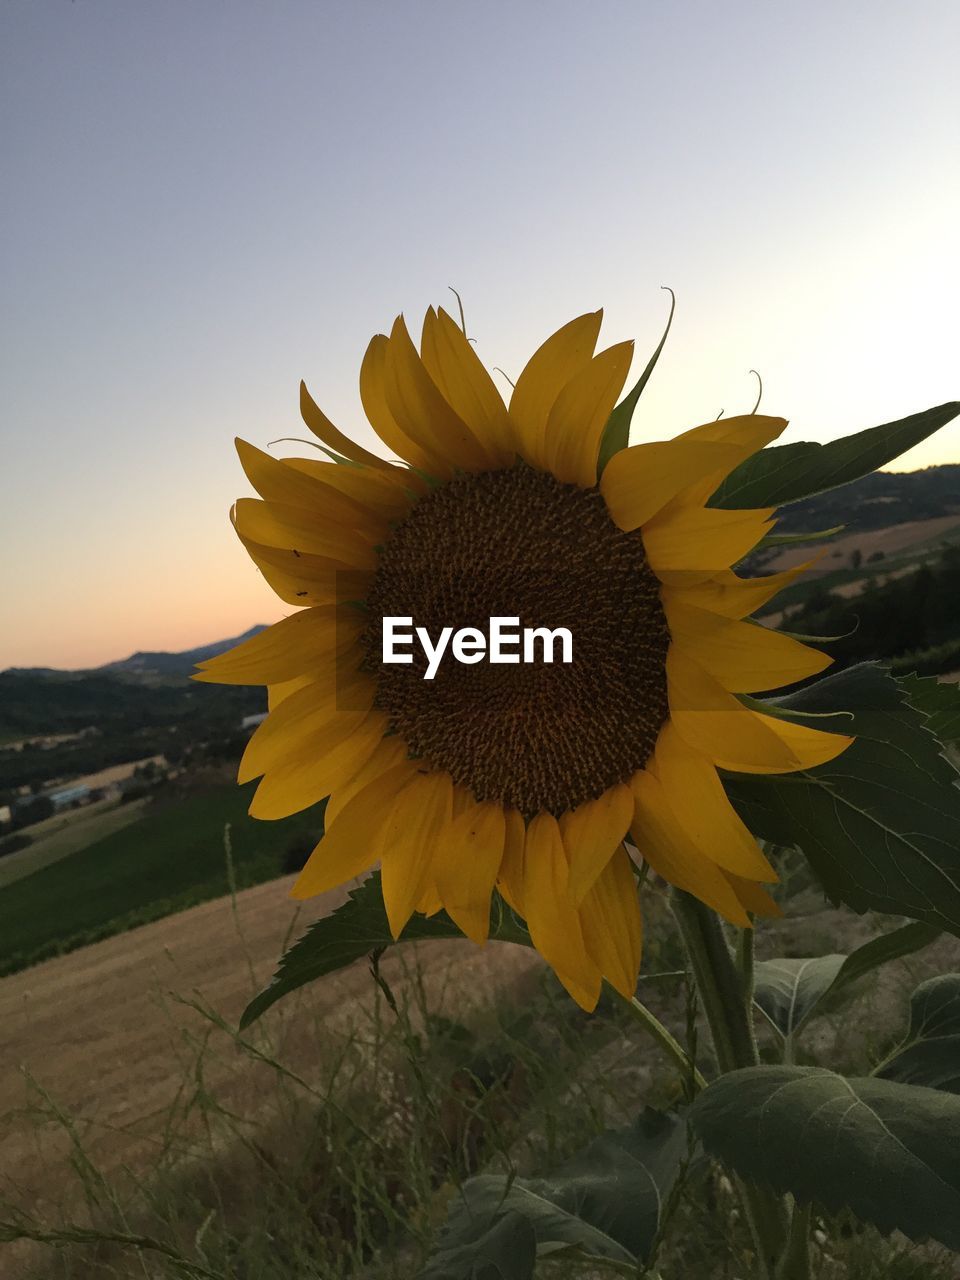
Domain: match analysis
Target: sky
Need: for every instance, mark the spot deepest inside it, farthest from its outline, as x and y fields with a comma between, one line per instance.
x=205, y=203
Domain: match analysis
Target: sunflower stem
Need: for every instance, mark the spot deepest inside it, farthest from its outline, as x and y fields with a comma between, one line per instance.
x=722, y=989
x=745, y=967
x=718, y=982
x=672, y=1047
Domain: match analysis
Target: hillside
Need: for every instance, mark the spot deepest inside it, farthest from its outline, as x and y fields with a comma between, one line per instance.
x=879, y=500
x=140, y=706
x=145, y=705
x=65, y=702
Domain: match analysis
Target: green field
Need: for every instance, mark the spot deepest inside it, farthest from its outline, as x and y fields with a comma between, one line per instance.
x=171, y=858
x=927, y=552
x=65, y=834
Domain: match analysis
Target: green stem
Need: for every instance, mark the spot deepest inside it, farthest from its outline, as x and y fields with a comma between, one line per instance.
x=745, y=965
x=664, y=1039
x=788, y=1049
x=745, y=945
x=795, y=1263
x=718, y=983
x=722, y=993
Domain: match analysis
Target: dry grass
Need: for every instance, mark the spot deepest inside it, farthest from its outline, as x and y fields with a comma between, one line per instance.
x=325, y=1143
x=113, y=1035
x=99, y=1030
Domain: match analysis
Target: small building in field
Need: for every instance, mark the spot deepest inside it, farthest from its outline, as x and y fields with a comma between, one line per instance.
x=69, y=797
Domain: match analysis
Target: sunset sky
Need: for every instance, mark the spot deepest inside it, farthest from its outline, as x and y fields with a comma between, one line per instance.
x=204, y=203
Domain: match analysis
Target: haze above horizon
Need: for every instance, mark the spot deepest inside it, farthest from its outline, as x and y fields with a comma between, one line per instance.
x=205, y=204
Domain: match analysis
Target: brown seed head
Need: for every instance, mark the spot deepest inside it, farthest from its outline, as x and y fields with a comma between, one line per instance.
x=519, y=543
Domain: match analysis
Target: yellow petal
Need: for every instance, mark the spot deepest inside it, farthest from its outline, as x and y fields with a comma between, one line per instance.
x=466, y=866
x=669, y=851
x=510, y=880
x=277, y=481
x=318, y=573
x=592, y=833
x=699, y=803
x=713, y=722
x=810, y=747
x=373, y=396
x=747, y=432
x=312, y=719
x=743, y=656
x=290, y=648
x=457, y=371
x=389, y=755
x=752, y=898
x=272, y=524
x=351, y=844
x=544, y=376
x=313, y=492
x=582, y=986
x=299, y=783
x=418, y=824
x=733, y=596
x=551, y=917
x=579, y=414
x=323, y=578
x=430, y=902
x=423, y=413
x=308, y=584
x=324, y=430
x=612, y=925
x=278, y=693
x=640, y=481
x=388, y=494
x=689, y=544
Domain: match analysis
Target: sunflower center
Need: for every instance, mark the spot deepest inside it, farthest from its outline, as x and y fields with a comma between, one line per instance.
x=518, y=543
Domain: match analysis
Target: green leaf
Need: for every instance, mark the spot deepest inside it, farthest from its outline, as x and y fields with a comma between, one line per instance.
x=497, y=1246
x=616, y=434
x=878, y=824
x=905, y=941
x=930, y=1055
x=888, y=1151
x=794, y=539
x=788, y=992
x=789, y=472
x=606, y=1202
x=939, y=702
x=357, y=929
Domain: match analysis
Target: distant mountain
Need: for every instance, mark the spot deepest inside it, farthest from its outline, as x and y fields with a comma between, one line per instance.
x=174, y=664
x=143, y=664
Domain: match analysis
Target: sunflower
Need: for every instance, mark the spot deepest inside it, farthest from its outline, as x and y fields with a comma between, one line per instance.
x=546, y=782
